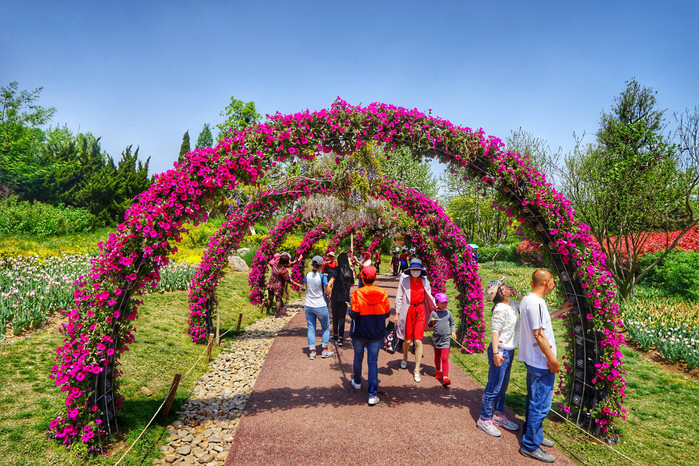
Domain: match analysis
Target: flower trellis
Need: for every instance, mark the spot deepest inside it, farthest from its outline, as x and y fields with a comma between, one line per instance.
x=100, y=326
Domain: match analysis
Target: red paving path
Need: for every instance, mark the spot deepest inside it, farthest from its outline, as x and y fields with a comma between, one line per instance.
x=306, y=412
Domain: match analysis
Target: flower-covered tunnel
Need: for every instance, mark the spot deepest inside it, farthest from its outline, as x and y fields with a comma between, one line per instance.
x=428, y=216
x=100, y=326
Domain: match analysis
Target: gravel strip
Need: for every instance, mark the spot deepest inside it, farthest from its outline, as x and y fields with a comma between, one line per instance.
x=206, y=425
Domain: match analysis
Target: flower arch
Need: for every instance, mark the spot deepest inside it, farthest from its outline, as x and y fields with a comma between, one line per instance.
x=100, y=326
x=429, y=217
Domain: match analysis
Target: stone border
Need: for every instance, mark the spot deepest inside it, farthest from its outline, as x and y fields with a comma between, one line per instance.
x=207, y=423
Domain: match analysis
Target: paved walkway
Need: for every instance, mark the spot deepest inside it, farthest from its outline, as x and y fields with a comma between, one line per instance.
x=306, y=412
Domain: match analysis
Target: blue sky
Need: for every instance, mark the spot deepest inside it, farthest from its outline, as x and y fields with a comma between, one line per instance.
x=142, y=73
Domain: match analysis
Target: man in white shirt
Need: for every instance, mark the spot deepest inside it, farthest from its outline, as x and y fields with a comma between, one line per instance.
x=537, y=349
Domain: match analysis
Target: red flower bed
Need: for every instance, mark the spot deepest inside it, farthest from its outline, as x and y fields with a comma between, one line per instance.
x=658, y=241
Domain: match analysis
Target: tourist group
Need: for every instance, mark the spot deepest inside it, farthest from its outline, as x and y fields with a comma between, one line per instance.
x=525, y=324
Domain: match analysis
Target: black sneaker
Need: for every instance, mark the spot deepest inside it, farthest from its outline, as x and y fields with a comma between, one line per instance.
x=339, y=343
x=539, y=454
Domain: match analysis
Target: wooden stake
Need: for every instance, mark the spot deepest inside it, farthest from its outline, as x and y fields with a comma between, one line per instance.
x=240, y=320
x=208, y=347
x=171, y=395
x=218, y=326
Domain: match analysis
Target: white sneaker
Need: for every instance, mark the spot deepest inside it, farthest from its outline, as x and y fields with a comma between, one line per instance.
x=373, y=400
x=358, y=386
x=416, y=376
x=403, y=364
x=502, y=421
x=489, y=427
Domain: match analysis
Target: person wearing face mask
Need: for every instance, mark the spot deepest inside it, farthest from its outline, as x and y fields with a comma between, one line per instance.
x=414, y=302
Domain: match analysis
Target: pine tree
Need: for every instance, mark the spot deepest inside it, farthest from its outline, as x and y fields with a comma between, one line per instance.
x=184, y=148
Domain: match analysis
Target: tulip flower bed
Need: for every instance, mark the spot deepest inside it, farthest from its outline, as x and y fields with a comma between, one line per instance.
x=100, y=323
x=32, y=288
x=670, y=326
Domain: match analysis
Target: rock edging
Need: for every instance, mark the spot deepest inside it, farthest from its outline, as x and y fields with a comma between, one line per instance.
x=206, y=425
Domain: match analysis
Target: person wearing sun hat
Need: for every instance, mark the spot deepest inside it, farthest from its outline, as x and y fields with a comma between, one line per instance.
x=413, y=303
x=501, y=351
x=442, y=321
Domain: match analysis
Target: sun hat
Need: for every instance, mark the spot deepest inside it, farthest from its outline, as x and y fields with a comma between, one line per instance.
x=368, y=273
x=492, y=288
x=441, y=298
x=416, y=264
x=317, y=260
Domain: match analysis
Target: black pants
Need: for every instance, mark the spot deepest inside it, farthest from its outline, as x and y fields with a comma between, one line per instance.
x=339, y=312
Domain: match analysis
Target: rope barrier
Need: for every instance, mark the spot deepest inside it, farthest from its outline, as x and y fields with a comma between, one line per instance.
x=564, y=418
x=163, y=403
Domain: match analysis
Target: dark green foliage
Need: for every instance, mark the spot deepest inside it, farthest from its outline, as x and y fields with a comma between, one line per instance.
x=408, y=169
x=184, y=148
x=81, y=175
x=249, y=256
x=41, y=219
x=58, y=168
x=676, y=275
x=205, y=138
x=628, y=183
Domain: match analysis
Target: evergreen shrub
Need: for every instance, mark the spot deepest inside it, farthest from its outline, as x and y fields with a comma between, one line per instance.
x=42, y=220
x=676, y=275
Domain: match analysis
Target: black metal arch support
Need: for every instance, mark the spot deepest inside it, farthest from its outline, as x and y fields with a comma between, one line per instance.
x=103, y=394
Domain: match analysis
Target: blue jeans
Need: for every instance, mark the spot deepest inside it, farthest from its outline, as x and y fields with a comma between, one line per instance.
x=498, y=381
x=537, y=405
x=322, y=314
x=372, y=351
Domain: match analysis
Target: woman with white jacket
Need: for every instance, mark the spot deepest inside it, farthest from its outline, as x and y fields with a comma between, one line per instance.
x=414, y=303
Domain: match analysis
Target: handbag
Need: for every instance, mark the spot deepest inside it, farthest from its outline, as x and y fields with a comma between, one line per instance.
x=390, y=342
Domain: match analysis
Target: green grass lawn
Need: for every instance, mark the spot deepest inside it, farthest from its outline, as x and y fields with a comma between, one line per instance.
x=29, y=399
x=662, y=427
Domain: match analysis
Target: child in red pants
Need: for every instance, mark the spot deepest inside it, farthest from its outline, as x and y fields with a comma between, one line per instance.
x=442, y=321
